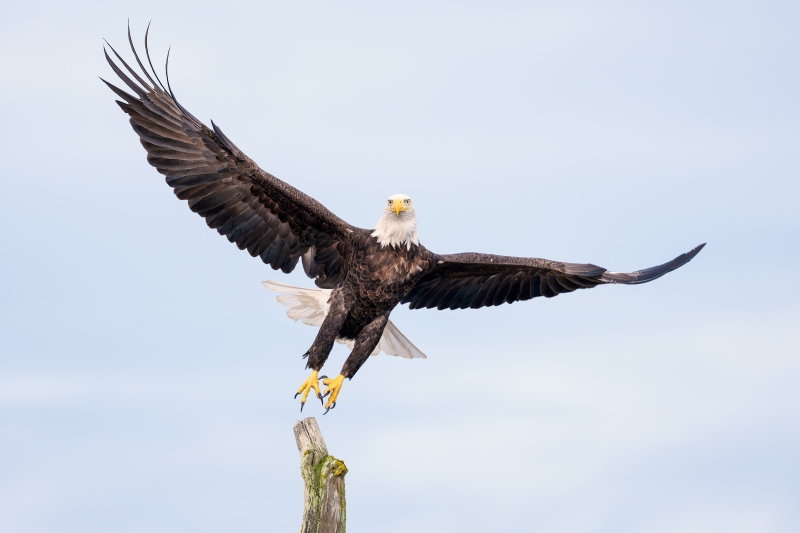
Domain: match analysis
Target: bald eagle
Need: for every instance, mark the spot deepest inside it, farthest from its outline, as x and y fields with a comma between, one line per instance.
x=362, y=274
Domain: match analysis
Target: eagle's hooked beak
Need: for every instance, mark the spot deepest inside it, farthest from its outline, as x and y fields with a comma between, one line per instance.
x=398, y=206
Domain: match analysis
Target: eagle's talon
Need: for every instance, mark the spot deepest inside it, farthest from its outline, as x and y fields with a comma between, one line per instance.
x=296, y=395
x=312, y=383
x=334, y=387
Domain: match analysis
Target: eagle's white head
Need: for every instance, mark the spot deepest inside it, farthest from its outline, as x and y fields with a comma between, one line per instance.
x=398, y=224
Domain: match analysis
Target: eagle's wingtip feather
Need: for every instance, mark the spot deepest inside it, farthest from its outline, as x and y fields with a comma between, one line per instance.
x=649, y=274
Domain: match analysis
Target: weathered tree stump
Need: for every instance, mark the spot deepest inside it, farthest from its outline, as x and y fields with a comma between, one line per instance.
x=323, y=474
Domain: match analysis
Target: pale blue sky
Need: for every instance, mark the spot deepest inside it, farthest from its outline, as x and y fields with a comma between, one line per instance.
x=146, y=376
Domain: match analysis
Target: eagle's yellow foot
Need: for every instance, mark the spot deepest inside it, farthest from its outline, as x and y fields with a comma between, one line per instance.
x=334, y=386
x=311, y=383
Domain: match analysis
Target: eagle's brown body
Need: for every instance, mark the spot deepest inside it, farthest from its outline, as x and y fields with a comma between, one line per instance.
x=378, y=278
x=279, y=224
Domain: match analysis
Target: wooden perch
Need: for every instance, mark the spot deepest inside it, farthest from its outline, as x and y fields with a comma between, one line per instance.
x=323, y=474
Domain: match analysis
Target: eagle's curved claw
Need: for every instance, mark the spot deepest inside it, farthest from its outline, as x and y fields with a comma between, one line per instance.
x=334, y=387
x=312, y=383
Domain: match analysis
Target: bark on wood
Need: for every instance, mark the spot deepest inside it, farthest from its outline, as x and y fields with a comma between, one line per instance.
x=323, y=475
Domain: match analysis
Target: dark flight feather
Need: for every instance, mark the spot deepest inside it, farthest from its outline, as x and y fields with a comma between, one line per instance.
x=252, y=208
x=495, y=279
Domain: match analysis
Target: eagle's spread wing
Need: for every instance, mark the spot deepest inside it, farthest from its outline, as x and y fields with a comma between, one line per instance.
x=252, y=208
x=460, y=281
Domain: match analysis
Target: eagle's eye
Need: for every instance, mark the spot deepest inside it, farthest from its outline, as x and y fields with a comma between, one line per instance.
x=390, y=202
x=407, y=201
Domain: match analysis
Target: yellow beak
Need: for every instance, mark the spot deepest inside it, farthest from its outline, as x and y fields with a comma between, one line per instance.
x=398, y=206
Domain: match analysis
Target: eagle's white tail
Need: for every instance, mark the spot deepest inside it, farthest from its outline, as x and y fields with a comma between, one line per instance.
x=310, y=306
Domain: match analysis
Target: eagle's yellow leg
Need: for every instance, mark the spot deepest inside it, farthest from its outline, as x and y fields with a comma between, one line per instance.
x=334, y=386
x=311, y=383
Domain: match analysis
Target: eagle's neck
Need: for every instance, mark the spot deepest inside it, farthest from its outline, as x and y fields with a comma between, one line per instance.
x=394, y=230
